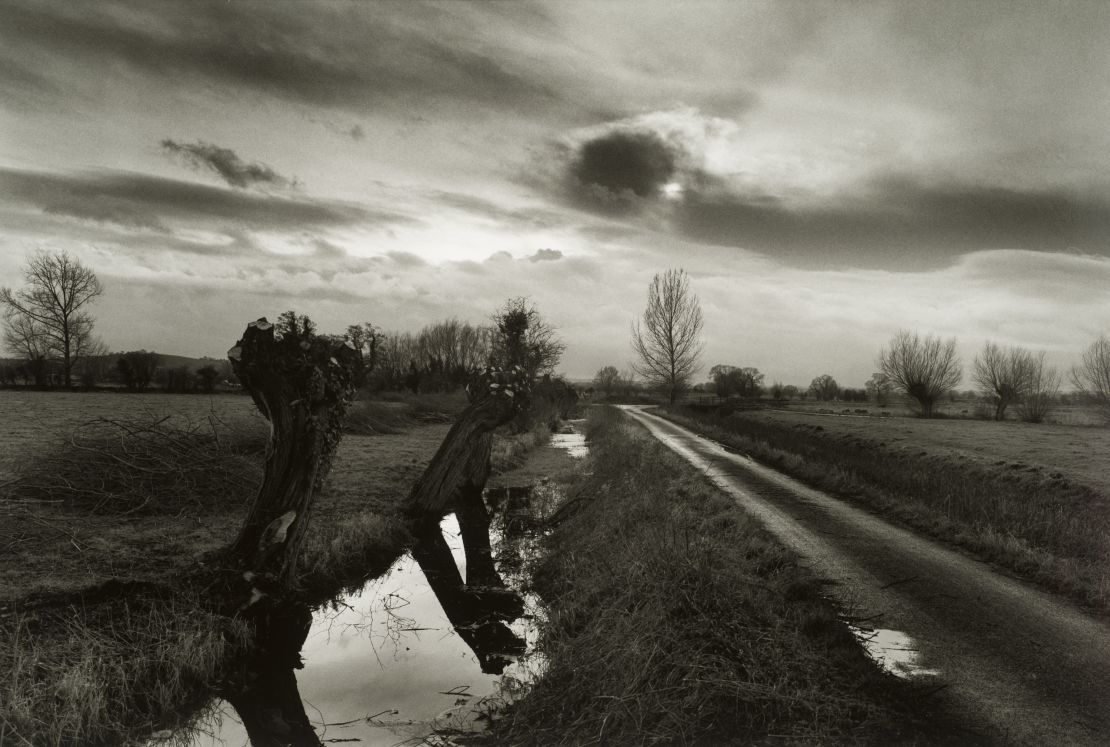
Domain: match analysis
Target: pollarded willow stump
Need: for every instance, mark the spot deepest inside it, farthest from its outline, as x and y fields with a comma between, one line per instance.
x=462, y=463
x=302, y=383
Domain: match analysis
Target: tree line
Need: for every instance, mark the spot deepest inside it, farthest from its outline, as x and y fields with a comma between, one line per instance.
x=48, y=328
x=667, y=344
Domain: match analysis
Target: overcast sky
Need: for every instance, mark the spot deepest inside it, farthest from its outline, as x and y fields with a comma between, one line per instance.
x=826, y=173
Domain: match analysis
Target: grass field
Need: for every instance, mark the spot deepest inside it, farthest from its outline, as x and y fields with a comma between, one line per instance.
x=1080, y=453
x=961, y=409
x=1033, y=498
x=62, y=546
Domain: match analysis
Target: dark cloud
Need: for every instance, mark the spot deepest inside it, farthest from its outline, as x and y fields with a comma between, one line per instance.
x=546, y=255
x=225, y=163
x=144, y=201
x=338, y=55
x=622, y=166
x=916, y=224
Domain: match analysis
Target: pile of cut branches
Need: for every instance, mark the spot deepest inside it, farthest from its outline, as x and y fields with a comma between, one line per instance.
x=152, y=466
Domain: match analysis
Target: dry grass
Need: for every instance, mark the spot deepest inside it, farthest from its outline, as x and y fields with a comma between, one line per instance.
x=1030, y=518
x=395, y=412
x=125, y=466
x=109, y=676
x=672, y=618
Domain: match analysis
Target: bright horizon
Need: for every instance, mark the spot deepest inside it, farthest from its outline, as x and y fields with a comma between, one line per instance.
x=826, y=173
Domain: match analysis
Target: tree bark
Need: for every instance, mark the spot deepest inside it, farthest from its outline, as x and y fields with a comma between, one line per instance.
x=462, y=460
x=302, y=383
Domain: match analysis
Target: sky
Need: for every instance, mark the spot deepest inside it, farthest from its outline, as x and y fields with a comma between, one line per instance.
x=826, y=173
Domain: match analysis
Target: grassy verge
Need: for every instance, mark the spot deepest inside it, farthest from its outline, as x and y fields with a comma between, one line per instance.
x=1043, y=527
x=671, y=617
x=103, y=676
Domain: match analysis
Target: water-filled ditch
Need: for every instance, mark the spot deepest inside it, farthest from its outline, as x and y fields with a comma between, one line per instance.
x=423, y=651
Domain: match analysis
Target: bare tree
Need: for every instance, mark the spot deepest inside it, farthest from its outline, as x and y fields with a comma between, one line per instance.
x=824, y=388
x=1003, y=376
x=924, y=368
x=879, y=388
x=607, y=380
x=1092, y=376
x=524, y=339
x=26, y=338
x=58, y=289
x=669, y=342
x=1042, y=387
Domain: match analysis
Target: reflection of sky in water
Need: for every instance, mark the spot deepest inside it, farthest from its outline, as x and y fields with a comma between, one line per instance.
x=574, y=442
x=894, y=651
x=388, y=652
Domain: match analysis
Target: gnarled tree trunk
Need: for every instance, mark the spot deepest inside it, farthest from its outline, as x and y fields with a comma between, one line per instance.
x=302, y=383
x=462, y=461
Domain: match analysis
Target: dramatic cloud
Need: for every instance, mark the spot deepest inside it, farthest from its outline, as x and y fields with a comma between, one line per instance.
x=225, y=163
x=141, y=200
x=386, y=53
x=896, y=219
x=618, y=163
x=826, y=172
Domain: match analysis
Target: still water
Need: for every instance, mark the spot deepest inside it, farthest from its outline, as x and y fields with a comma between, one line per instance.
x=387, y=666
x=420, y=653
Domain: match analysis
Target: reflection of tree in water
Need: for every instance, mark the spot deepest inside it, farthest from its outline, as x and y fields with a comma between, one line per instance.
x=265, y=693
x=479, y=608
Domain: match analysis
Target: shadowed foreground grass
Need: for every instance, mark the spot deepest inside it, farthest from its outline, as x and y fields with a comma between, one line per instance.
x=1041, y=526
x=672, y=618
x=110, y=675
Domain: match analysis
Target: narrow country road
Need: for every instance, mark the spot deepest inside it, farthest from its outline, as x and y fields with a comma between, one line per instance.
x=1028, y=667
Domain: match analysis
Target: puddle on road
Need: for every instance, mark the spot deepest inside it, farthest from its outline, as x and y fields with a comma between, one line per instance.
x=894, y=651
x=411, y=658
x=571, y=440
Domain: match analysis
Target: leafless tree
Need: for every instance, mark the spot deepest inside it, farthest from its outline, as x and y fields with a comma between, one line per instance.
x=1092, y=375
x=58, y=289
x=924, y=368
x=26, y=338
x=824, y=388
x=1002, y=375
x=669, y=343
x=879, y=388
x=607, y=379
x=1042, y=387
x=523, y=338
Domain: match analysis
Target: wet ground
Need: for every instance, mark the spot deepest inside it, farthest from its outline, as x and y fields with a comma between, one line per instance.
x=1024, y=666
x=420, y=653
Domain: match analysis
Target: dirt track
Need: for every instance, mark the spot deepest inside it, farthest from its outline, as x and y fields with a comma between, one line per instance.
x=1027, y=667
